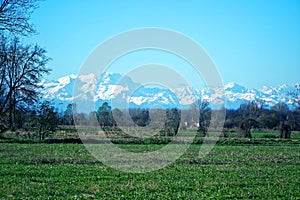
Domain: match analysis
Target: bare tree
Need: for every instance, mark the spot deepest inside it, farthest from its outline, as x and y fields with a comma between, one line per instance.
x=249, y=112
x=246, y=126
x=204, y=116
x=285, y=124
x=22, y=68
x=282, y=111
x=250, y=109
x=285, y=130
x=15, y=16
x=294, y=96
x=47, y=119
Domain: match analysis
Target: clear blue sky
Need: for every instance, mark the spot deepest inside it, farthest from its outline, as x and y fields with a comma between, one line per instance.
x=253, y=43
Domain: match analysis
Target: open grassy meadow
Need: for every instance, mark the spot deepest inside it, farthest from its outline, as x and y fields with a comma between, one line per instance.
x=235, y=169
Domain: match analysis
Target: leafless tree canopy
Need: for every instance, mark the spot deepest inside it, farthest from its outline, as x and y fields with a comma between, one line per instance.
x=204, y=116
x=15, y=16
x=295, y=96
x=21, y=70
x=246, y=126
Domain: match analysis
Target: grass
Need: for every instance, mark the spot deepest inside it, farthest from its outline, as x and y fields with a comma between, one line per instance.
x=230, y=171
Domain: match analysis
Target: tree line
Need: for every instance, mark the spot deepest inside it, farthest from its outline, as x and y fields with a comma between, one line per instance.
x=43, y=119
x=23, y=66
x=250, y=115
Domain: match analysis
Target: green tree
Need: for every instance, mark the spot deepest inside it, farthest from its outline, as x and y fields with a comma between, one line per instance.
x=172, y=122
x=104, y=116
x=68, y=115
x=139, y=116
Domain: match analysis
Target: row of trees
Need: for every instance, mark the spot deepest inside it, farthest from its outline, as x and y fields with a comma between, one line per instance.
x=109, y=119
x=249, y=115
x=22, y=68
x=43, y=119
x=255, y=115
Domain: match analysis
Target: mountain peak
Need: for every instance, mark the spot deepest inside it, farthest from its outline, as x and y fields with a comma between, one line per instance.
x=66, y=79
x=235, y=87
x=108, y=86
x=229, y=85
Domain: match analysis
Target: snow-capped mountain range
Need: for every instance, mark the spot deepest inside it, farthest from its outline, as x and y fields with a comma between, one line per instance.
x=122, y=90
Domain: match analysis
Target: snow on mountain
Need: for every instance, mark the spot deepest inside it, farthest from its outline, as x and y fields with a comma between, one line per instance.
x=266, y=90
x=236, y=94
x=234, y=87
x=186, y=95
x=115, y=86
x=106, y=92
x=273, y=95
x=60, y=89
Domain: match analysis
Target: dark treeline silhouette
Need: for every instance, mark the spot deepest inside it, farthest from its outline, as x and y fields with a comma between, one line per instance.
x=251, y=115
x=39, y=121
x=140, y=116
x=254, y=115
x=112, y=119
x=43, y=119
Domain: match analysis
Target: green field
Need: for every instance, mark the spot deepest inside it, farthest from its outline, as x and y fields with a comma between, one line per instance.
x=234, y=169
